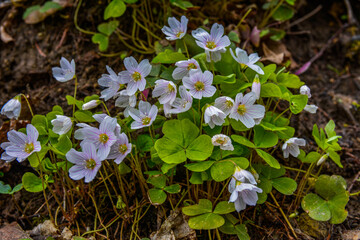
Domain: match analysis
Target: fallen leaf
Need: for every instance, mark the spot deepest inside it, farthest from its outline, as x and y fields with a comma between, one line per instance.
x=5, y=37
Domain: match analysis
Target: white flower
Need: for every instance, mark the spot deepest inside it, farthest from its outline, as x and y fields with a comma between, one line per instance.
x=214, y=116
x=305, y=90
x=244, y=176
x=256, y=86
x=181, y=104
x=143, y=117
x=177, y=30
x=184, y=67
x=223, y=141
x=243, y=194
x=125, y=101
x=12, y=108
x=245, y=60
x=135, y=74
x=214, y=43
x=199, y=84
x=166, y=90
x=245, y=110
x=62, y=124
x=120, y=149
x=311, y=108
x=292, y=146
x=225, y=104
x=65, y=72
x=111, y=82
x=91, y=104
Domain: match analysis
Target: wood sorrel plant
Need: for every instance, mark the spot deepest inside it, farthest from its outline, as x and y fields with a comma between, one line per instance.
x=203, y=127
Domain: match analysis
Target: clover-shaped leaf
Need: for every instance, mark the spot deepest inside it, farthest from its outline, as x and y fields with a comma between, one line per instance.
x=180, y=142
x=202, y=216
x=330, y=200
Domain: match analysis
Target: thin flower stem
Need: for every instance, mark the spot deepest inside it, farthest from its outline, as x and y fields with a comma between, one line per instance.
x=75, y=89
x=108, y=191
x=106, y=109
x=186, y=49
x=222, y=190
x=283, y=214
x=98, y=215
x=75, y=20
x=281, y=114
x=299, y=170
x=355, y=193
x=209, y=233
x=28, y=103
x=266, y=19
x=243, y=18
x=43, y=188
x=218, y=234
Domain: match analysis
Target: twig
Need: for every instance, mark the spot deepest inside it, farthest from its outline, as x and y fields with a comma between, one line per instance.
x=307, y=16
x=353, y=181
x=351, y=18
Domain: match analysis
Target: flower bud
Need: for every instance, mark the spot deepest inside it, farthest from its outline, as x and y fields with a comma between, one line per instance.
x=91, y=104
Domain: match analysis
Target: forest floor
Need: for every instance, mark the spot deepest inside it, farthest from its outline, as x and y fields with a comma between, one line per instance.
x=334, y=79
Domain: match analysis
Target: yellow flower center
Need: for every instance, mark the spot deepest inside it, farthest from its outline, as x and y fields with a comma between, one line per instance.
x=29, y=147
x=146, y=120
x=191, y=66
x=241, y=109
x=123, y=148
x=199, y=86
x=229, y=104
x=179, y=33
x=103, y=138
x=171, y=88
x=221, y=141
x=210, y=45
x=136, y=76
x=90, y=164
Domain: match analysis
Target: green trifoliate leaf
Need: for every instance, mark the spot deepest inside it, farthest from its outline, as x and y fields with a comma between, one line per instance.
x=268, y=158
x=264, y=139
x=283, y=13
x=224, y=79
x=224, y=207
x=175, y=188
x=169, y=151
x=206, y=221
x=158, y=181
x=241, y=232
x=102, y=40
x=297, y=103
x=182, y=132
x=316, y=207
x=168, y=57
x=32, y=183
x=4, y=188
x=329, y=186
x=222, y=170
x=116, y=8
x=270, y=90
x=243, y=141
x=284, y=185
x=204, y=206
x=157, y=196
x=107, y=28
x=84, y=116
x=200, y=149
x=289, y=80
x=40, y=120
x=199, y=166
